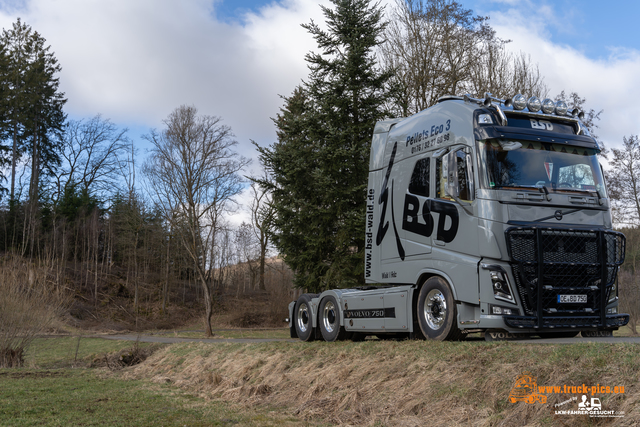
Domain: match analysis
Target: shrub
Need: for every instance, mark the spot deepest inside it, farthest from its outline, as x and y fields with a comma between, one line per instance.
x=29, y=303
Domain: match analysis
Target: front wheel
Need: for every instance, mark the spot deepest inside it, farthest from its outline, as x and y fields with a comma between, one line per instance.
x=302, y=319
x=437, y=311
x=329, y=320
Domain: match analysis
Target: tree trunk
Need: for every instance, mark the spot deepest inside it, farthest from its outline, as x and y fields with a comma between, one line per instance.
x=165, y=289
x=14, y=156
x=263, y=255
x=208, y=303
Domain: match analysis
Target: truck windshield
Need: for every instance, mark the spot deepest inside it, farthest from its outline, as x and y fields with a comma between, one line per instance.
x=510, y=164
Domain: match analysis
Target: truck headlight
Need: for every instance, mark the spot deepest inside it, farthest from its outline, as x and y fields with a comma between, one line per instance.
x=501, y=289
x=499, y=282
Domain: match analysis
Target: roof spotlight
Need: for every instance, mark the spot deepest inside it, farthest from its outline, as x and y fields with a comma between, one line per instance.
x=575, y=112
x=561, y=108
x=519, y=102
x=548, y=106
x=533, y=104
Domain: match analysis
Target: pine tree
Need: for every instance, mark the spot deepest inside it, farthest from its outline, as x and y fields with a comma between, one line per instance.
x=33, y=116
x=16, y=48
x=321, y=159
x=44, y=119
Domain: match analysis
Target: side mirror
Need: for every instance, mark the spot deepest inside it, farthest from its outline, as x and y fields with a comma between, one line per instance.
x=450, y=174
x=469, y=166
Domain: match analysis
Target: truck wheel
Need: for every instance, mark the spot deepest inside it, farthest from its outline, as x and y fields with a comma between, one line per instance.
x=329, y=320
x=437, y=311
x=302, y=318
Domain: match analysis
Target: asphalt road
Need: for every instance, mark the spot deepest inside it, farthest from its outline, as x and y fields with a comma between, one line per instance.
x=172, y=340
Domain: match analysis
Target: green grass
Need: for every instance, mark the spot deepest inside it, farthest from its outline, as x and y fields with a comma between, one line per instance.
x=232, y=333
x=82, y=397
x=67, y=351
x=56, y=388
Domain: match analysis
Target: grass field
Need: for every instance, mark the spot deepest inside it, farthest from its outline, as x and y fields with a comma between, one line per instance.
x=58, y=388
x=395, y=383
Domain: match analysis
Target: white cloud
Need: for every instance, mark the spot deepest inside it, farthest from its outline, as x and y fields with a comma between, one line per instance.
x=607, y=84
x=136, y=61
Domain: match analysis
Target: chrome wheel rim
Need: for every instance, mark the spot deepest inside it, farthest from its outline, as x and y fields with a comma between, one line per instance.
x=302, y=319
x=435, y=309
x=329, y=317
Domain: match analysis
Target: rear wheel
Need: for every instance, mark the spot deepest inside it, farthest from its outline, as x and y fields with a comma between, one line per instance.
x=329, y=320
x=437, y=311
x=303, y=318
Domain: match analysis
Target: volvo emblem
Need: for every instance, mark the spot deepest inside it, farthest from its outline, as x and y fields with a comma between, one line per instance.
x=558, y=215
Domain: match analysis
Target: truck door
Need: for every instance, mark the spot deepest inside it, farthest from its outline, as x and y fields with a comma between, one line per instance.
x=455, y=237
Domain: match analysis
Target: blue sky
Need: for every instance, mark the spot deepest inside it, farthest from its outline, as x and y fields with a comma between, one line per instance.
x=135, y=61
x=594, y=27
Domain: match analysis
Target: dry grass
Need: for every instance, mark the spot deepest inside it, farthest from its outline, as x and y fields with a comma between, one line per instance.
x=400, y=383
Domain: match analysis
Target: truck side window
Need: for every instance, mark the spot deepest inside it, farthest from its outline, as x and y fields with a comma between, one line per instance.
x=419, y=184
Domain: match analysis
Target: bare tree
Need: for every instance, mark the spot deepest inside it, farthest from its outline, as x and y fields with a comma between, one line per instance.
x=248, y=252
x=194, y=172
x=624, y=182
x=437, y=48
x=91, y=152
x=262, y=215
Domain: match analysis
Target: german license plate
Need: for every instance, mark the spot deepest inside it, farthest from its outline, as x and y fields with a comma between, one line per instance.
x=572, y=299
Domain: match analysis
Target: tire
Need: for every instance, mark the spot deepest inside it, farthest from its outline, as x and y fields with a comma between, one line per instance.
x=436, y=311
x=302, y=318
x=329, y=320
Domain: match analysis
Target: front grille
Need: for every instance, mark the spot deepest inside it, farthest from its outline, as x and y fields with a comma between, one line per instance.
x=548, y=262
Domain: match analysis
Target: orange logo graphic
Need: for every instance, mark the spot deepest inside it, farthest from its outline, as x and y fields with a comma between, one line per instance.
x=526, y=390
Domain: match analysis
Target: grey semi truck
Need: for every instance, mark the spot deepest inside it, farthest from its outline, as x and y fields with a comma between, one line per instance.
x=482, y=215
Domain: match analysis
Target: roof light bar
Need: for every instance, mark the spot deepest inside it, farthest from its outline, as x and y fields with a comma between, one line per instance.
x=520, y=102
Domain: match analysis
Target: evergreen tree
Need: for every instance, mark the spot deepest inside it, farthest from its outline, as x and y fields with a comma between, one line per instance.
x=44, y=119
x=32, y=116
x=321, y=159
x=16, y=48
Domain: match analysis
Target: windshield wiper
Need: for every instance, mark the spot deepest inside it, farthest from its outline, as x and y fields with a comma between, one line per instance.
x=541, y=188
x=581, y=190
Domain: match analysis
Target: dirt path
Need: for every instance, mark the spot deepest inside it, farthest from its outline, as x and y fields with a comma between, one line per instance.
x=172, y=340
